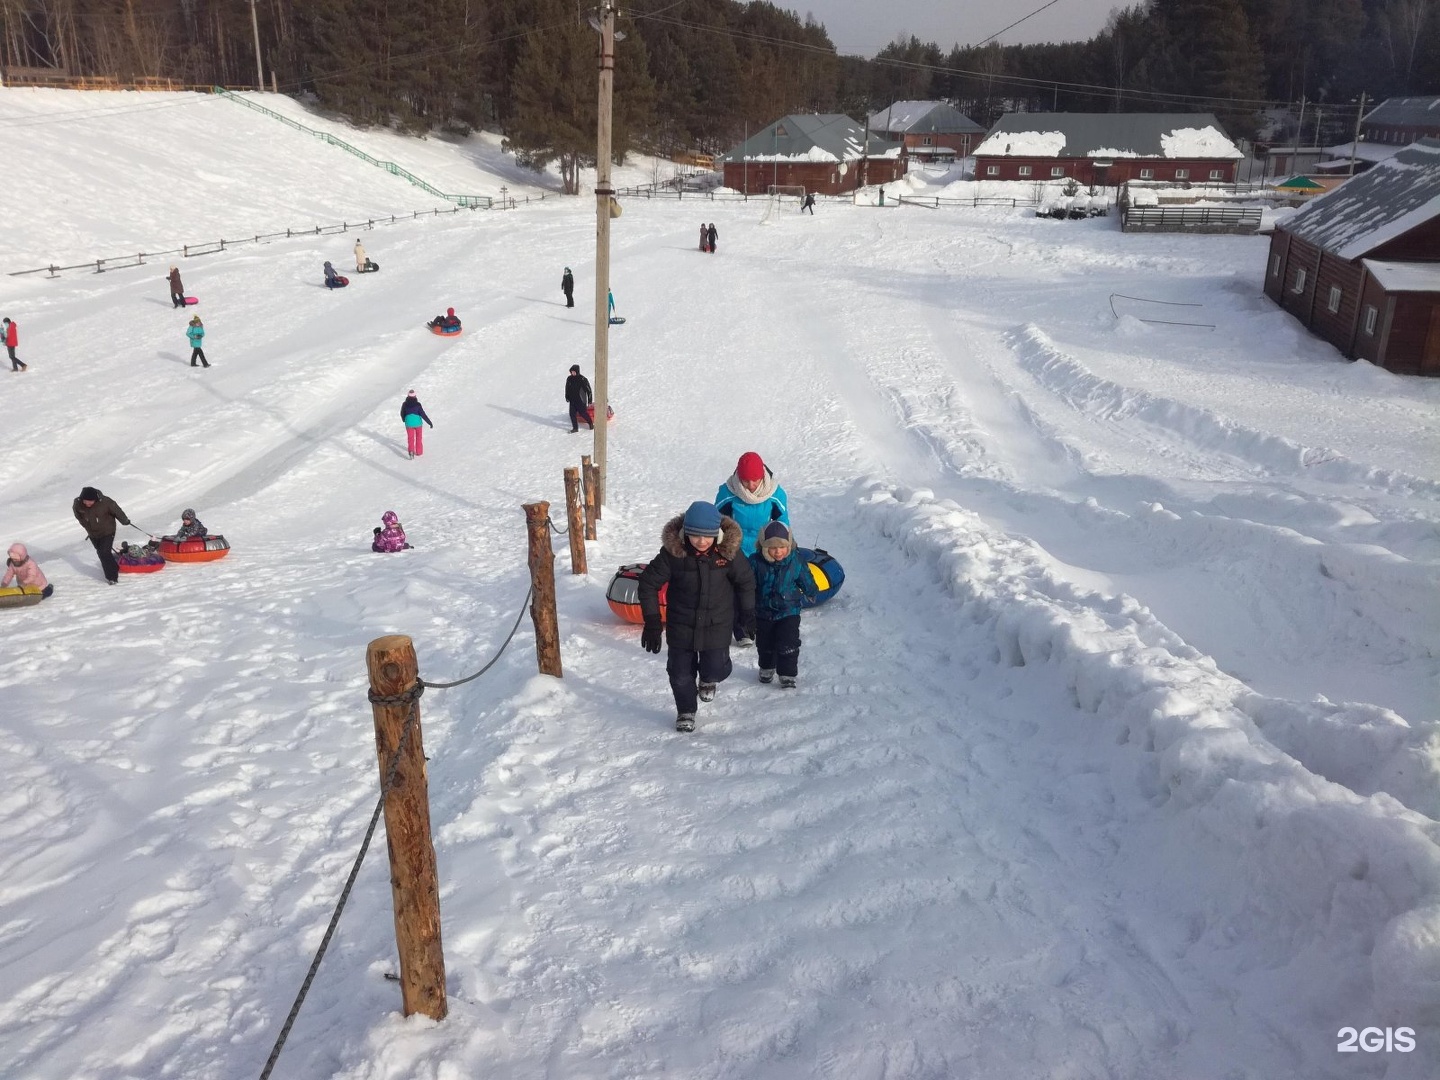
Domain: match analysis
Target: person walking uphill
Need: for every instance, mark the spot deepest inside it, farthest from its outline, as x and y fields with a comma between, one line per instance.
x=12, y=342
x=196, y=333
x=177, y=290
x=711, y=587
x=360, y=257
x=753, y=498
x=578, y=396
x=783, y=583
x=99, y=515
x=711, y=235
x=413, y=415
x=567, y=286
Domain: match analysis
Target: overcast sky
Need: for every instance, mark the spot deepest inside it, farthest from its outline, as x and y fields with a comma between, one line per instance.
x=866, y=26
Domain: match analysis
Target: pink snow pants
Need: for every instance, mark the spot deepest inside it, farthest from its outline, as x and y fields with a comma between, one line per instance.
x=415, y=440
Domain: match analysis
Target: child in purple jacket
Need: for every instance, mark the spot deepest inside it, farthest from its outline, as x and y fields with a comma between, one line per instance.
x=392, y=536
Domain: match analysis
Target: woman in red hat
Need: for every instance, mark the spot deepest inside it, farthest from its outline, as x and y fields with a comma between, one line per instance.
x=753, y=499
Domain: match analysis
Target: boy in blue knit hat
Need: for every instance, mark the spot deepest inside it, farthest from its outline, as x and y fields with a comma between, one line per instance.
x=783, y=583
x=709, y=582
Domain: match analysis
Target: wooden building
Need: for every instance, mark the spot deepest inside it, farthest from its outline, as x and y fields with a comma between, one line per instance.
x=930, y=130
x=1401, y=121
x=824, y=153
x=1360, y=266
x=1102, y=149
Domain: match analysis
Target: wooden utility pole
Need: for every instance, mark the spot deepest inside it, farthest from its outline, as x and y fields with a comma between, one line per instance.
x=414, y=887
x=255, y=26
x=577, y=521
x=542, y=582
x=587, y=474
x=603, y=196
x=1355, y=142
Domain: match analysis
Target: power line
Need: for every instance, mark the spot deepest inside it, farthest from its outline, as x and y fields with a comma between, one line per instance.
x=1014, y=24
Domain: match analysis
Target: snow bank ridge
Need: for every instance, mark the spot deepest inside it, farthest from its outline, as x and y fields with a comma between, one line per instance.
x=1294, y=858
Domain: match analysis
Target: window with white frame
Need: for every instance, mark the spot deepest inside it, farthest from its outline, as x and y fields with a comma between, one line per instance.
x=1057, y=170
x=1182, y=174
x=1217, y=174
x=1333, y=303
x=926, y=140
x=1024, y=170
x=1370, y=316
x=1274, y=265
x=1147, y=174
x=1299, y=286
x=992, y=170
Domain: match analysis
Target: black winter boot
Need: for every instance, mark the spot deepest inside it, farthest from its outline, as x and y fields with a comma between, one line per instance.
x=685, y=722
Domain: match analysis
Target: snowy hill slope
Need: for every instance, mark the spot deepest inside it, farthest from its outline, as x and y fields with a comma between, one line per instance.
x=1118, y=754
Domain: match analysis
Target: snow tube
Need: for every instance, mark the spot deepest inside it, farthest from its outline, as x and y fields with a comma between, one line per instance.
x=192, y=299
x=139, y=560
x=829, y=575
x=20, y=596
x=624, y=594
x=609, y=413
x=198, y=550
x=340, y=282
x=442, y=332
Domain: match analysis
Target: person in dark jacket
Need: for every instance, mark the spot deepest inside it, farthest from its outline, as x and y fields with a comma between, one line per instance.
x=809, y=203
x=332, y=279
x=783, y=583
x=99, y=515
x=711, y=235
x=177, y=290
x=704, y=237
x=579, y=396
x=709, y=580
x=567, y=286
x=12, y=342
x=412, y=414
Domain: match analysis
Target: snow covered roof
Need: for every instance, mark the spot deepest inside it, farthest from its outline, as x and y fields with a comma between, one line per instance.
x=1406, y=112
x=812, y=137
x=1363, y=151
x=1387, y=201
x=924, y=117
x=1404, y=276
x=1079, y=135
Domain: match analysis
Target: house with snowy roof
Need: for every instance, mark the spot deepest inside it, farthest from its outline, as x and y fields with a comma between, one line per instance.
x=1403, y=120
x=1108, y=148
x=930, y=130
x=1360, y=266
x=826, y=153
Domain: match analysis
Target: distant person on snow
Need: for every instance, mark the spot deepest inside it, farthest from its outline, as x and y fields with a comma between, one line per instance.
x=99, y=515
x=711, y=587
x=332, y=279
x=711, y=235
x=392, y=536
x=360, y=258
x=809, y=203
x=191, y=527
x=177, y=290
x=196, y=333
x=783, y=583
x=567, y=286
x=704, y=237
x=753, y=499
x=448, y=321
x=412, y=414
x=12, y=342
x=21, y=569
x=611, y=295
x=579, y=396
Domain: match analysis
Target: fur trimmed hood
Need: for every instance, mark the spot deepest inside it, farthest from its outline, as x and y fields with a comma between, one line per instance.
x=672, y=538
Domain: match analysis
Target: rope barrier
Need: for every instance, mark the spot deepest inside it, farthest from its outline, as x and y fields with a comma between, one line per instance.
x=558, y=532
x=409, y=697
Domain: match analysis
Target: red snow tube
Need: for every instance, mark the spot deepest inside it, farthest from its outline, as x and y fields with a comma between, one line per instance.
x=609, y=413
x=624, y=594
x=207, y=549
x=132, y=559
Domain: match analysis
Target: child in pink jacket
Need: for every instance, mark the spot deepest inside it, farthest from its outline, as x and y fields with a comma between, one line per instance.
x=392, y=536
x=21, y=569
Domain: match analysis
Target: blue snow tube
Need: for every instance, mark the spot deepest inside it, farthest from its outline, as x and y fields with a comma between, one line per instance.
x=829, y=575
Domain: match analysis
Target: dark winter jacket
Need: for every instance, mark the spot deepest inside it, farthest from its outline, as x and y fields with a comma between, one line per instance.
x=577, y=391
x=176, y=289
x=711, y=235
x=412, y=407
x=705, y=590
x=567, y=283
x=99, y=521
x=782, y=587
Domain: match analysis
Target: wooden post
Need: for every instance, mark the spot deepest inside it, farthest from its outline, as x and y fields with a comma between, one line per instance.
x=413, y=883
x=542, y=581
x=577, y=521
x=588, y=472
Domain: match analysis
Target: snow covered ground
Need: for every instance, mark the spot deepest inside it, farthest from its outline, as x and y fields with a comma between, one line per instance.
x=1117, y=756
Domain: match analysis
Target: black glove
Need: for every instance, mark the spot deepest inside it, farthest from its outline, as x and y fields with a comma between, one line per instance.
x=747, y=624
x=650, y=637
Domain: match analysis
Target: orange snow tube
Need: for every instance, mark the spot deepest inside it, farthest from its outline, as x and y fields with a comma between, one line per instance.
x=624, y=594
x=207, y=550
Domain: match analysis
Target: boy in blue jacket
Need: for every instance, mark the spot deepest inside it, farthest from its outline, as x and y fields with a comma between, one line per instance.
x=783, y=583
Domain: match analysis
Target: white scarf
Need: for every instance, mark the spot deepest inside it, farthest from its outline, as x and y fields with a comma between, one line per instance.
x=759, y=495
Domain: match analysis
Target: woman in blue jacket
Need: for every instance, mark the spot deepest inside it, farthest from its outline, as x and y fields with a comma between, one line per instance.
x=196, y=333
x=753, y=499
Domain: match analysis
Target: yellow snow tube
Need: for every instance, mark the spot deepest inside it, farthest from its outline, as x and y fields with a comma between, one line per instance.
x=20, y=596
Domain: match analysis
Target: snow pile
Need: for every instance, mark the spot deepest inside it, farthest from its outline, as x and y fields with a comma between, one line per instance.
x=1022, y=144
x=1206, y=142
